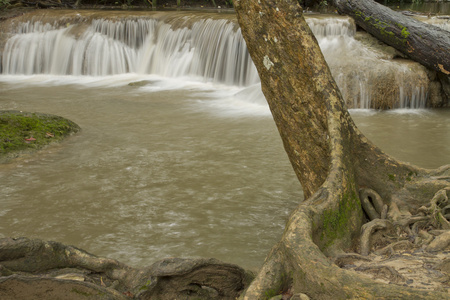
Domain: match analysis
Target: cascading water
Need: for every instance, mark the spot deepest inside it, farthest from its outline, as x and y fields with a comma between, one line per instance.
x=366, y=76
x=211, y=50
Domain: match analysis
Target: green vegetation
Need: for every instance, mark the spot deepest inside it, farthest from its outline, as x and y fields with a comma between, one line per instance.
x=336, y=222
x=21, y=131
x=145, y=287
x=4, y=4
x=270, y=294
x=405, y=32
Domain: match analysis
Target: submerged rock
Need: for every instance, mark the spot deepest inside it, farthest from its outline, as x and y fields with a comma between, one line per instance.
x=26, y=132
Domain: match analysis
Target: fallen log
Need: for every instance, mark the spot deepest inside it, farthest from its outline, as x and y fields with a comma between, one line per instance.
x=427, y=44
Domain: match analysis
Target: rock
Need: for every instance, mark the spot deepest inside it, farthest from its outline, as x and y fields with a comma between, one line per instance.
x=142, y=83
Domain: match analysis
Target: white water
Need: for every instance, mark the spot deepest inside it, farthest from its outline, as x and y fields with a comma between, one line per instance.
x=206, y=51
x=211, y=50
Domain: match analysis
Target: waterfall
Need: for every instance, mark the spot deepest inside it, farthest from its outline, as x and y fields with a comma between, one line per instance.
x=206, y=49
x=366, y=76
x=210, y=49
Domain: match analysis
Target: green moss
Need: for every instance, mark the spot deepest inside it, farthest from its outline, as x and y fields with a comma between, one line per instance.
x=145, y=287
x=77, y=291
x=336, y=221
x=383, y=27
x=405, y=32
x=270, y=293
x=21, y=131
x=391, y=177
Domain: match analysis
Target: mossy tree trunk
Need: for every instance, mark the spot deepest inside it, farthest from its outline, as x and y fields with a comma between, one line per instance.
x=331, y=158
x=427, y=44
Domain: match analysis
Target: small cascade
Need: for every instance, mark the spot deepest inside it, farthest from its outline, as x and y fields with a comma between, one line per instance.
x=441, y=22
x=208, y=49
x=365, y=74
x=331, y=26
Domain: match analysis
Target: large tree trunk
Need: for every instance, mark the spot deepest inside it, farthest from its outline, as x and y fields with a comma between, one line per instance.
x=331, y=158
x=427, y=44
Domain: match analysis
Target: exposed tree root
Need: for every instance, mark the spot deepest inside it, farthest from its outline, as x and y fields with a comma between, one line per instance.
x=415, y=268
x=372, y=204
x=390, y=249
x=346, y=259
x=26, y=263
x=408, y=237
x=440, y=243
x=411, y=227
x=367, y=231
x=381, y=271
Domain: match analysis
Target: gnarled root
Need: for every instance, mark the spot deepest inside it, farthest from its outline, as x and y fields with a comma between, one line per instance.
x=25, y=262
x=382, y=271
x=438, y=209
x=372, y=204
x=407, y=227
x=391, y=248
x=410, y=239
x=345, y=259
x=367, y=231
x=440, y=243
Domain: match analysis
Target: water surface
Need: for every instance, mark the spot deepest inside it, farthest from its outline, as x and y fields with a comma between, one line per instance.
x=175, y=168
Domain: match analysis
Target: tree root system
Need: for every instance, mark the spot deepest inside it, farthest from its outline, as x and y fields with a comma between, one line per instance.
x=403, y=248
x=36, y=269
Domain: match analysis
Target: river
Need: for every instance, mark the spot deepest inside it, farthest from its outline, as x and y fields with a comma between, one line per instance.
x=172, y=166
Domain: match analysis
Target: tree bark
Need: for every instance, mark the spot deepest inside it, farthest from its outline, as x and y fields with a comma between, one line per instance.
x=331, y=158
x=427, y=44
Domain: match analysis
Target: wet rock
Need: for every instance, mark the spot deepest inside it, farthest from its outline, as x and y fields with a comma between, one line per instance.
x=142, y=83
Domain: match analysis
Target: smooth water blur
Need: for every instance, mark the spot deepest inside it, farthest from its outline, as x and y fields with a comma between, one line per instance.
x=171, y=169
x=152, y=174
x=438, y=7
x=207, y=46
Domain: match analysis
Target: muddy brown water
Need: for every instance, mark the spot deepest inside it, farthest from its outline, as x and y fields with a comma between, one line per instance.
x=163, y=171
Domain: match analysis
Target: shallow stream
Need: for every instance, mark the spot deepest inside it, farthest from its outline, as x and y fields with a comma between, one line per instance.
x=174, y=168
